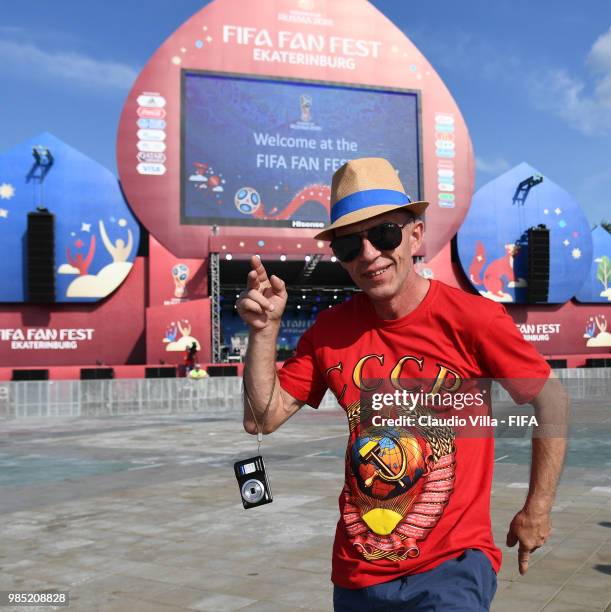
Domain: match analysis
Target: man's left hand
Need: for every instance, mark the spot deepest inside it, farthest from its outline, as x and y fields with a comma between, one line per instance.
x=531, y=529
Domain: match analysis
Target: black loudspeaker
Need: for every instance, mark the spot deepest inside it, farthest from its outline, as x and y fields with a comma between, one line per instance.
x=160, y=372
x=41, y=257
x=557, y=363
x=222, y=370
x=97, y=373
x=595, y=363
x=538, y=264
x=30, y=374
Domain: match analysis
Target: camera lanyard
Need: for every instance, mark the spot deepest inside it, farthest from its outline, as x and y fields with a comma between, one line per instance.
x=252, y=410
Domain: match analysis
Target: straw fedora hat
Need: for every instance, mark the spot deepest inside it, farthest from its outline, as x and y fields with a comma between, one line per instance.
x=364, y=188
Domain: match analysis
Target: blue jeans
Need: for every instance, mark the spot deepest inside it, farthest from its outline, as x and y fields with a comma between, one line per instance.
x=464, y=584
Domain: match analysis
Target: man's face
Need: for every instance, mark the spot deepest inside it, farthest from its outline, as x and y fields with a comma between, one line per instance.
x=383, y=275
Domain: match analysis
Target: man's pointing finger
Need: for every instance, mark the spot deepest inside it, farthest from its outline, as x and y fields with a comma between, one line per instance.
x=259, y=268
x=252, y=281
x=523, y=558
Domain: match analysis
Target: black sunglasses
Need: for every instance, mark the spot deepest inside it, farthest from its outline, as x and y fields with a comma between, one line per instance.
x=384, y=237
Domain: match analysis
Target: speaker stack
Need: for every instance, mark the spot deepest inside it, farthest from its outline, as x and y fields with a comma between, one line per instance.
x=41, y=257
x=160, y=372
x=538, y=264
x=21, y=375
x=97, y=373
x=222, y=370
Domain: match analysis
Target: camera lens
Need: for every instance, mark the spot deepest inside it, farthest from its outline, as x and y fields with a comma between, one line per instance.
x=253, y=491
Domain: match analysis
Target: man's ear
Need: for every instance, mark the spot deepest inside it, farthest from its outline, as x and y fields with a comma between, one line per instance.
x=417, y=235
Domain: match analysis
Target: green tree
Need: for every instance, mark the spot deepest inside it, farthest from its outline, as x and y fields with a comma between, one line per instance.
x=603, y=273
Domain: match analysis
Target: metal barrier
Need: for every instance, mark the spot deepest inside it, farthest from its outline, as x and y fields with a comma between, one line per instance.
x=216, y=397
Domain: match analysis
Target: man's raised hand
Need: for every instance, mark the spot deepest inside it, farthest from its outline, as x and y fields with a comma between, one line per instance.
x=263, y=301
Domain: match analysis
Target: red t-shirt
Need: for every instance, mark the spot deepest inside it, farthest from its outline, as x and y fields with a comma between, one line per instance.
x=411, y=500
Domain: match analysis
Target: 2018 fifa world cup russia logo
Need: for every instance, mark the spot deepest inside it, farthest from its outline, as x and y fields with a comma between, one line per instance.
x=180, y=274
x=305, y=102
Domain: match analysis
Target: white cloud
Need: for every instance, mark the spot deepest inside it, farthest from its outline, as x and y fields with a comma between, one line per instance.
x=101, y=284
x=569, y=98
x=583, y=100
x=593, y=189
x=11, y=30
x=34, y=62
x=599, y=57
x=67, y=269
x=492, y=166
x=586, y=108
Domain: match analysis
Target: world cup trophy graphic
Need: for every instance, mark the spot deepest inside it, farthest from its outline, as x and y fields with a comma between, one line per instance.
x=305, y=102
x=180, y=274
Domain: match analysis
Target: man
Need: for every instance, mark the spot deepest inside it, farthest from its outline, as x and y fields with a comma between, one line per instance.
x=190, y=357
x=197, y=373
x=414, y=531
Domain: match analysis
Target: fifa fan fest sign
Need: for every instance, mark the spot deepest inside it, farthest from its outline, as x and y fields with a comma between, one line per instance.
x=240, y=118
x=288, y=47
x=45, y=338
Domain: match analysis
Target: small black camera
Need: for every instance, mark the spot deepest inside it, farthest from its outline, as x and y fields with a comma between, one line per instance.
x=253, y=483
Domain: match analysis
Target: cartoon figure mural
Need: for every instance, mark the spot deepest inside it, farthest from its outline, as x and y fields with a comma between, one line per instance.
x=110, y=276
x=89, y=209
x=78, y=261
x=597, y=283
x=600, y=339
x=119, y=251
x=492, y=242
x=186, y=339
x=497, y=275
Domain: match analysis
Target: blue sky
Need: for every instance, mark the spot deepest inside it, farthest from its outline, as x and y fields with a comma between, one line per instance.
x=532, y=79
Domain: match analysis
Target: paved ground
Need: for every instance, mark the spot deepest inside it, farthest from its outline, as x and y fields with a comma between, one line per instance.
x=131, y=514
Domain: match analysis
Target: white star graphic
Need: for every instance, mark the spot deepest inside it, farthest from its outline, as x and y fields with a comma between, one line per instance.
x=576, y=253
x=566, y=243
x=85, y=227
x=557, y=211
x=7, y=191
x=4, y=213
x=546, y=211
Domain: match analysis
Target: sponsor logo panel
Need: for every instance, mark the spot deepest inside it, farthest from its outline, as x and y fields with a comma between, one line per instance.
x=445, y=150
x=151, y=134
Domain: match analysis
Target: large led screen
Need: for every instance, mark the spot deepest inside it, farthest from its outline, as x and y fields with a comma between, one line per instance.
x=261, y=152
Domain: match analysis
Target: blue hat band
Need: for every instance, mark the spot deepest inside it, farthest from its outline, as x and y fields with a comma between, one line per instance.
x=365, y=199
